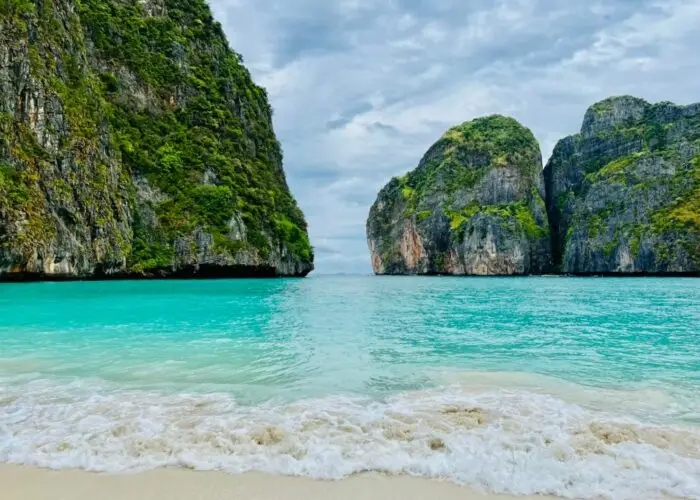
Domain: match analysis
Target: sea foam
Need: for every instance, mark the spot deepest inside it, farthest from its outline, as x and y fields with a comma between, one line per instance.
x=518, y=440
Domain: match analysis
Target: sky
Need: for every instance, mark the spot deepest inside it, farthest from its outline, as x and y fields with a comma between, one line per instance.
x=362, y=88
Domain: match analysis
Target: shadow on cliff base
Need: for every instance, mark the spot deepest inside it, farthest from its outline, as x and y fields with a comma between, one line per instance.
x=203, y=272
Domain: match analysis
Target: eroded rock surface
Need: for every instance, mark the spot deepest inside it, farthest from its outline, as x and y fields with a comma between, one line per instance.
x=133, y=142
x=474, y=206
x=623, y=195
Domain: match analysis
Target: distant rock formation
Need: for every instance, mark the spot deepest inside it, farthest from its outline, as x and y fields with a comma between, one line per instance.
x=474, y=206
x=623, y=196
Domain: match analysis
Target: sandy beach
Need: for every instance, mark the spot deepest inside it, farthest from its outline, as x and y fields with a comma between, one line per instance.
x=27, y=483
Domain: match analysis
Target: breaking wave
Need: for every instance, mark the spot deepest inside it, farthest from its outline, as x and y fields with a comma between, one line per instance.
x=502, y=433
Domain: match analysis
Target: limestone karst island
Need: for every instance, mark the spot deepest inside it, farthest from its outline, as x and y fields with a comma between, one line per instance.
x=133, y=143
x=620, y=197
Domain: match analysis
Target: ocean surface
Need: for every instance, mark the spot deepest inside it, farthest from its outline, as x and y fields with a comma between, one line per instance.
x=584, y=388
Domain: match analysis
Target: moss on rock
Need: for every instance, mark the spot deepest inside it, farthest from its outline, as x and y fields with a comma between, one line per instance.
x=472, y=206
x=116, y=95
x=623, y=196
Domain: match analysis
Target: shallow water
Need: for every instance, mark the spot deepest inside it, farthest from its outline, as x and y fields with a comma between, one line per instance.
x=577, y=387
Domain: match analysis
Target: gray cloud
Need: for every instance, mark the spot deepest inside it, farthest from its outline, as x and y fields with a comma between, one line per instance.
x=349, y=114
x=361, y=88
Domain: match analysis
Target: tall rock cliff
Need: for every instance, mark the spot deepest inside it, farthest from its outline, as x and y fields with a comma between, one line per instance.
x=623, y=196
x=474, y=206
x=133, y=142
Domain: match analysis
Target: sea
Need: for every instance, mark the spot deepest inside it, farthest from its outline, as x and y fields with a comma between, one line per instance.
x=577, y=387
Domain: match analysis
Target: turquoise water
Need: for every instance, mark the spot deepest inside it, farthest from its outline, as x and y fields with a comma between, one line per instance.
x=578, y=387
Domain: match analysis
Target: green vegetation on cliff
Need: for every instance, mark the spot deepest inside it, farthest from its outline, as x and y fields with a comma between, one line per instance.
x=624, y=194
x=143, y=90
x=682, y=215
x=478, y=186
x=515, y=216
x=465, y=153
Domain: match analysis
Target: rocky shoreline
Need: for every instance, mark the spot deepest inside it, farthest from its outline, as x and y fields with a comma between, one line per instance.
x=190, y=273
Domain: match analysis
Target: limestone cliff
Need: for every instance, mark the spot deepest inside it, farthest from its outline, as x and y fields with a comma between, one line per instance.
x=623, y=196
x=133, y=142
x=474, y=206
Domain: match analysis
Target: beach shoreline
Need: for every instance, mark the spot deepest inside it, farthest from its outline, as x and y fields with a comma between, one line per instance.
x=469, y=384
x=30, y=483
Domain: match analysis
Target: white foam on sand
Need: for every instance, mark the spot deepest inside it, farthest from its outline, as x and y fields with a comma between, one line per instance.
x=494, y=435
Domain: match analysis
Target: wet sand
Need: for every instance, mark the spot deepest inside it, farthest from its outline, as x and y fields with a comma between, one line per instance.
x=27, y=483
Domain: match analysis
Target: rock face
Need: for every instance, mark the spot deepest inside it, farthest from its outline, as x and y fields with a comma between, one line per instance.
x=474, y=206
x=133, y=142
x=623, y=196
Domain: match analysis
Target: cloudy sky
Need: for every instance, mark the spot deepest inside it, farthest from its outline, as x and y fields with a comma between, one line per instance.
x=361, y=88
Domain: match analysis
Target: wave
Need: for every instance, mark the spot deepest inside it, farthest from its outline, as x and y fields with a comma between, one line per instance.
x=501, y=433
